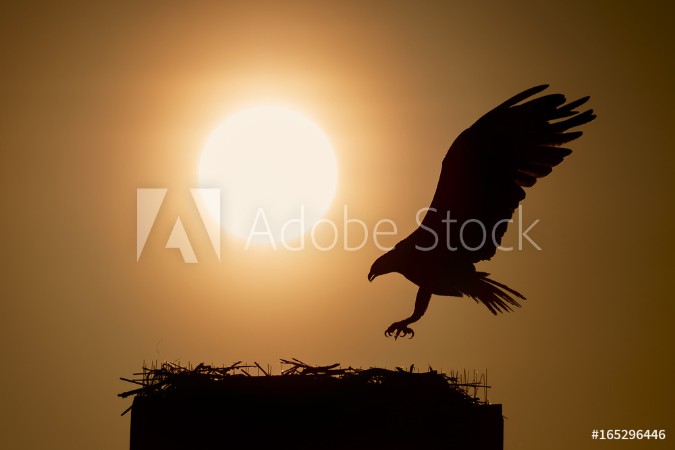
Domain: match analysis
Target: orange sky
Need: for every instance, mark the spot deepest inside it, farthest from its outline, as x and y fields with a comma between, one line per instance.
x=99, y=100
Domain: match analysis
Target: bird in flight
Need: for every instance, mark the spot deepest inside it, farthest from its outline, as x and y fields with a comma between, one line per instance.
x=481, y=184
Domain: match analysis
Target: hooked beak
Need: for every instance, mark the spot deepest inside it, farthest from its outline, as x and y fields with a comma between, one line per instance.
x=371, y=276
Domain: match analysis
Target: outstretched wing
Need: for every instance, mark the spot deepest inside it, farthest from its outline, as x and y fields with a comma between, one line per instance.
x=488, y=166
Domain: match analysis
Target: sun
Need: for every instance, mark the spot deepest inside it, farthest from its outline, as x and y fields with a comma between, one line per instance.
x=276, y=172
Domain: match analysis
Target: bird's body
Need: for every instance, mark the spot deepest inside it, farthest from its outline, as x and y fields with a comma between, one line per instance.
x=481, y=184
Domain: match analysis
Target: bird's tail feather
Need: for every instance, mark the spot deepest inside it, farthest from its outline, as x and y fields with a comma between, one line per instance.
x=495, y=296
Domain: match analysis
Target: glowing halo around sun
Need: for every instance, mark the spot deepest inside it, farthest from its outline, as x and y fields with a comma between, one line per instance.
x=274, y=168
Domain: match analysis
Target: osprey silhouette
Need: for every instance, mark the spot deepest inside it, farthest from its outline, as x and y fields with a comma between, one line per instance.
x=482, y=182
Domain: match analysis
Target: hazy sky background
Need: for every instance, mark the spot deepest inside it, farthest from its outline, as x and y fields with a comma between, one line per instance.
x=99, y=100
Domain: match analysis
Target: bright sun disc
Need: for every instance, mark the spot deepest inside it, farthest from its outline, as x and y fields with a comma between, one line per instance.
x=274, y=168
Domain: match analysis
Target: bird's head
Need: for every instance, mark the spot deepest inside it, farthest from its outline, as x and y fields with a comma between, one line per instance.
x=386, y=263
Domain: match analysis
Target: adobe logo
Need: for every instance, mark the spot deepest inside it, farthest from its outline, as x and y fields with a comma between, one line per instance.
x=148, y=204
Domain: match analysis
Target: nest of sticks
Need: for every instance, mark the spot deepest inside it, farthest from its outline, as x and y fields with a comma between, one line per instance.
x=171, y=378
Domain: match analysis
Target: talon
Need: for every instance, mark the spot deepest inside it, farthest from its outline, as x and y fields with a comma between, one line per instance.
x=399, y=329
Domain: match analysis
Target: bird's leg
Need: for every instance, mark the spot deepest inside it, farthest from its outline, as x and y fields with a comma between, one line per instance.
x=401, y=328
